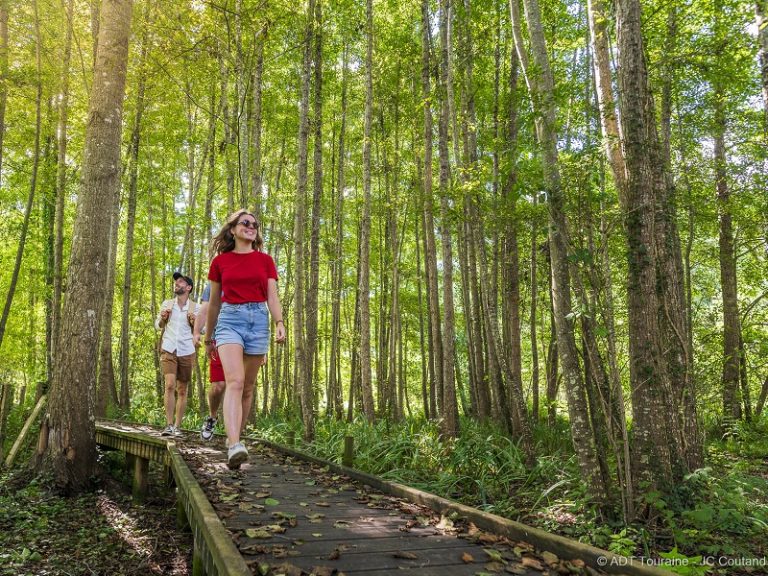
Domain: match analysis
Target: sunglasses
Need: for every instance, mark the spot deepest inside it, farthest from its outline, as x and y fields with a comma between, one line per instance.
x=249, y=224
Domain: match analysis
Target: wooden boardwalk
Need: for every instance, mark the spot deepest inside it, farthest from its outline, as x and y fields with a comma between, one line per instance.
x=293, y=515
x=300, y=516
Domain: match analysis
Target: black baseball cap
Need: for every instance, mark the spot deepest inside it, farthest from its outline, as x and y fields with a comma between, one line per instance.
x=187, y=279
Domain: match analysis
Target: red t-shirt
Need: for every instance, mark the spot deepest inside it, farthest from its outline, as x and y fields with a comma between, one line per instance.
x=243, y=277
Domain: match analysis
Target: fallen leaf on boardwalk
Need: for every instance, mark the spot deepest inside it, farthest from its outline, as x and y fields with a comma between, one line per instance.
x=286, y=569
x=467, y=558
x=263, y=568
x=245, y=506
x=494, y=555
x=550, y=558
x=262, y=494
x=315, y=518
x=335, y=555
x=283, y=515
x=271, y=502
x=516, y=569
x=405, y=555
x=228, y=497
x=485, y=538
x=322, y=504
x=317, y=534
x=257, y=533
x=494, y=567
x=342, y=524
x=322, y=571
x=529, y=562
x=275, y=528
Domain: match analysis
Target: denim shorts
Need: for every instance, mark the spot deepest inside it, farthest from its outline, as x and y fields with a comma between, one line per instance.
x=244, y=324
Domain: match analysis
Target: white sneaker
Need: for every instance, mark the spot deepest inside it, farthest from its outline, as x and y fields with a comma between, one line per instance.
x=236, y=455
x=206, y=433
x=169, y=431
x=177, y=431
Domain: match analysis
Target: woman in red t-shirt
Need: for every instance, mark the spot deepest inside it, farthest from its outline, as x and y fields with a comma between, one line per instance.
x=243, y=295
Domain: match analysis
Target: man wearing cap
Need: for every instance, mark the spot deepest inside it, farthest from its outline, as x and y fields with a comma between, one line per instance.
x=177, y=352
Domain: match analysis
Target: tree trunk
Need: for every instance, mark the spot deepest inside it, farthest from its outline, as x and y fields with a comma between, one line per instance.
x=648, y=373
x=430, y=251
x=106, y=389
x=303, y=385
x=337, y=265
x=317, y=194
x=540, y=82
x=256, y=125
x=124, y=400
x=365, y=229
x=731, y=328
x=450, y=421
x=61, y=181
x=71, y=445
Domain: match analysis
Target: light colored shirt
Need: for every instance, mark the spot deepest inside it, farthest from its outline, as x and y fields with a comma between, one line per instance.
x=178, y=333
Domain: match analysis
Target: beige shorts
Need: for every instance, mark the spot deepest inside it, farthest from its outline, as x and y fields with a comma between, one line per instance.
x=181, y=366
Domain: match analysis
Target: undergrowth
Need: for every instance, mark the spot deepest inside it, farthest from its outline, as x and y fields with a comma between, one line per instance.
x=719, y=511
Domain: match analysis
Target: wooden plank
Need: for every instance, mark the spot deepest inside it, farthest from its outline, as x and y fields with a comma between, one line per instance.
x=16, y=448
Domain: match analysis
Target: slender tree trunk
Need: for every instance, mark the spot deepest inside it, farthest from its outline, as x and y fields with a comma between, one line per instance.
x=133, y=173
x=256, y=126
x=71, y=446
x=365, y=229
x=317, y=193
x=533, y=320
x=541, y=86
x=337, y=265
x=106, y=389
x=303, y=384
x=731, y=328
x=61, y=182
x=430, y=251
x=450, y=421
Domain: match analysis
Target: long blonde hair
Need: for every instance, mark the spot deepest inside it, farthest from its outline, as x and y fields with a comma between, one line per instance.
x=224, y=241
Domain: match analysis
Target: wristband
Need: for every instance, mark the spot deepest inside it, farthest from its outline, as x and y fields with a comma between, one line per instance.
x=279, y=322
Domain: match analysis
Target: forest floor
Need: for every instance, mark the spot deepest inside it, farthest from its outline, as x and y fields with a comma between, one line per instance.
x=99, y=533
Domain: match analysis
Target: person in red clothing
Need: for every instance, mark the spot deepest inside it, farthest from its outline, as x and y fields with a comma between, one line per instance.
x=243, y=296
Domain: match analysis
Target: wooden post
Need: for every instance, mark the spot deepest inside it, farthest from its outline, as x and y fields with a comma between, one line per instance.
x=182, y=522
x=349, y=451
x=140, y=479
x=130, y=464
x=198, y=568
x=24, y=431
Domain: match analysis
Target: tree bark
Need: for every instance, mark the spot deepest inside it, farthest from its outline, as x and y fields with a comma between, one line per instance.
x=648, y=371
x=540, y=81
x=124, y=398
x=303, y=384
x=430, y=251
x=71, y=445
x=450, y=420
x=365, y=228
x=317, y=194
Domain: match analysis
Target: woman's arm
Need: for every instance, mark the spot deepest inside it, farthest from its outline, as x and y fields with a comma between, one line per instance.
x=214, y=306
x=276, y=310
